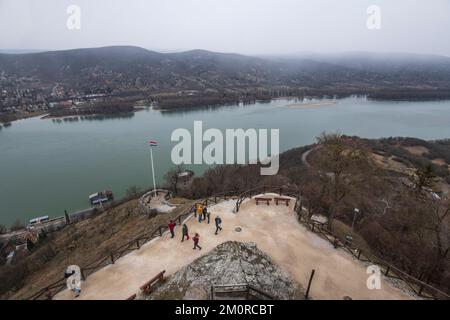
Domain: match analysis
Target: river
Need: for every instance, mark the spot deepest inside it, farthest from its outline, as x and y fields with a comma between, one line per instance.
x=47, y=166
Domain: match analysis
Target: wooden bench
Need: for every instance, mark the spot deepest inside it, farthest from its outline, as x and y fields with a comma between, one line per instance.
x=267, y=200
x=147, y=287
x=279, y=199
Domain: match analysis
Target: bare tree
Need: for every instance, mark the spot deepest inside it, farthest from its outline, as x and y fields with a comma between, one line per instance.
x=17, y=225
x=313, y=191
x=133, y=192
x=340, y=161
x=438, y=223
x=172, y=178
x=423, y=178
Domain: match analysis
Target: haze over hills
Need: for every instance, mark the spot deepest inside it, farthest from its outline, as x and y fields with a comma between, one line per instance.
x=66, y=82
x=199, y=69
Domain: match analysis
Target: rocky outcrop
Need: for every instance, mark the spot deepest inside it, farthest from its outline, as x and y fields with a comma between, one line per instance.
x=228, y=264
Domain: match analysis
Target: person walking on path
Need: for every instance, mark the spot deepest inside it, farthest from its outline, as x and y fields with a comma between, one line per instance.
x=208, y=215
x=218, y=222
x=196, y=239
x=185, y=232
x=205, y=213
x=172, y=225
x=200, y=212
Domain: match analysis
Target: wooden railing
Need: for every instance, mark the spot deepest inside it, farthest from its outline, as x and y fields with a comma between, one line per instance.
x=98, y=263
x=245, y=290
x=419, y=287
x=48, y=292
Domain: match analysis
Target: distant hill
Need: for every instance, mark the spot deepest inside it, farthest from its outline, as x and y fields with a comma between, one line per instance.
x=198, y=69
x=20, y=51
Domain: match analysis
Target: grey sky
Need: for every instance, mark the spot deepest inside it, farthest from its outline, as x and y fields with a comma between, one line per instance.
x=243, y=26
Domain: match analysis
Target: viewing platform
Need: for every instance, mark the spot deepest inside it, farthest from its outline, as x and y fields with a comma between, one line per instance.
x=276, y=231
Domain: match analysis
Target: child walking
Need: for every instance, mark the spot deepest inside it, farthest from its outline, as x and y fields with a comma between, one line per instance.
x=196, y=239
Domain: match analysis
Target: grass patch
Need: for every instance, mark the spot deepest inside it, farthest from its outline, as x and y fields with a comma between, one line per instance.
x=179, y=200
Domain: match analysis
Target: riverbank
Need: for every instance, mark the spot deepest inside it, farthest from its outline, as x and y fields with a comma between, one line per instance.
x=8, y=118
x=95, y=115
x=310, y=105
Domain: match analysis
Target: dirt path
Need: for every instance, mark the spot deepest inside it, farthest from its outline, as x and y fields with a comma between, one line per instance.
x=306, y=154
x=274, y=229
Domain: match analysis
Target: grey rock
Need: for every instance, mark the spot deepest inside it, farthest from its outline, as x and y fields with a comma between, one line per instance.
x=230, y=263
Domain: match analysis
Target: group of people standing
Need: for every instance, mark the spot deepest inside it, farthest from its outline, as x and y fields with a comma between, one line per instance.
x=203, y=215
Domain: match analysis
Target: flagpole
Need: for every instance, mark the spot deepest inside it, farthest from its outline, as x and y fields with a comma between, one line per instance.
x=153, y=171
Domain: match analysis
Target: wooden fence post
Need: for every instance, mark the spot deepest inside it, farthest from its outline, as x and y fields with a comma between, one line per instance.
x=420, y=290
x=335, y=242
x=309, y=283
x=160, y=232
x=112, y=257
x=82, y=274
x=179, y=219
x=138, y=245
x=67, y=217
x=312, y=228
x=48, y=294
x=359, y=253
x=387, y=271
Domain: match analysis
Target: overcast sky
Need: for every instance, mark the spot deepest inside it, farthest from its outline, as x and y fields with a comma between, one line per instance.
x=242, y=26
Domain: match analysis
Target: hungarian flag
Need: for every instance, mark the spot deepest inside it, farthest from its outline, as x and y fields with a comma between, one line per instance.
x=153, y=143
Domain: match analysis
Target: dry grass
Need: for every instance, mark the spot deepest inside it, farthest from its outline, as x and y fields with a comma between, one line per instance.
x=389, y=163
x=341, y=230
x=179, y=201
x=417, y=150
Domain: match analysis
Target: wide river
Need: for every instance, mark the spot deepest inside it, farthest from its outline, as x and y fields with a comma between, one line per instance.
x=48, y=166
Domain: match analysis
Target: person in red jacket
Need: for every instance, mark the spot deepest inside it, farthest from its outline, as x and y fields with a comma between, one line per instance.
x=196, y=239
x=172, y=225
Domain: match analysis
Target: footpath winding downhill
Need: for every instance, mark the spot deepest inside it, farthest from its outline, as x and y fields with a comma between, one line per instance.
x=274, y=229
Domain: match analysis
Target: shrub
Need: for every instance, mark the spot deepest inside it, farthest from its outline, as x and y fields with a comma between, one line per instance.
x=17, y=225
